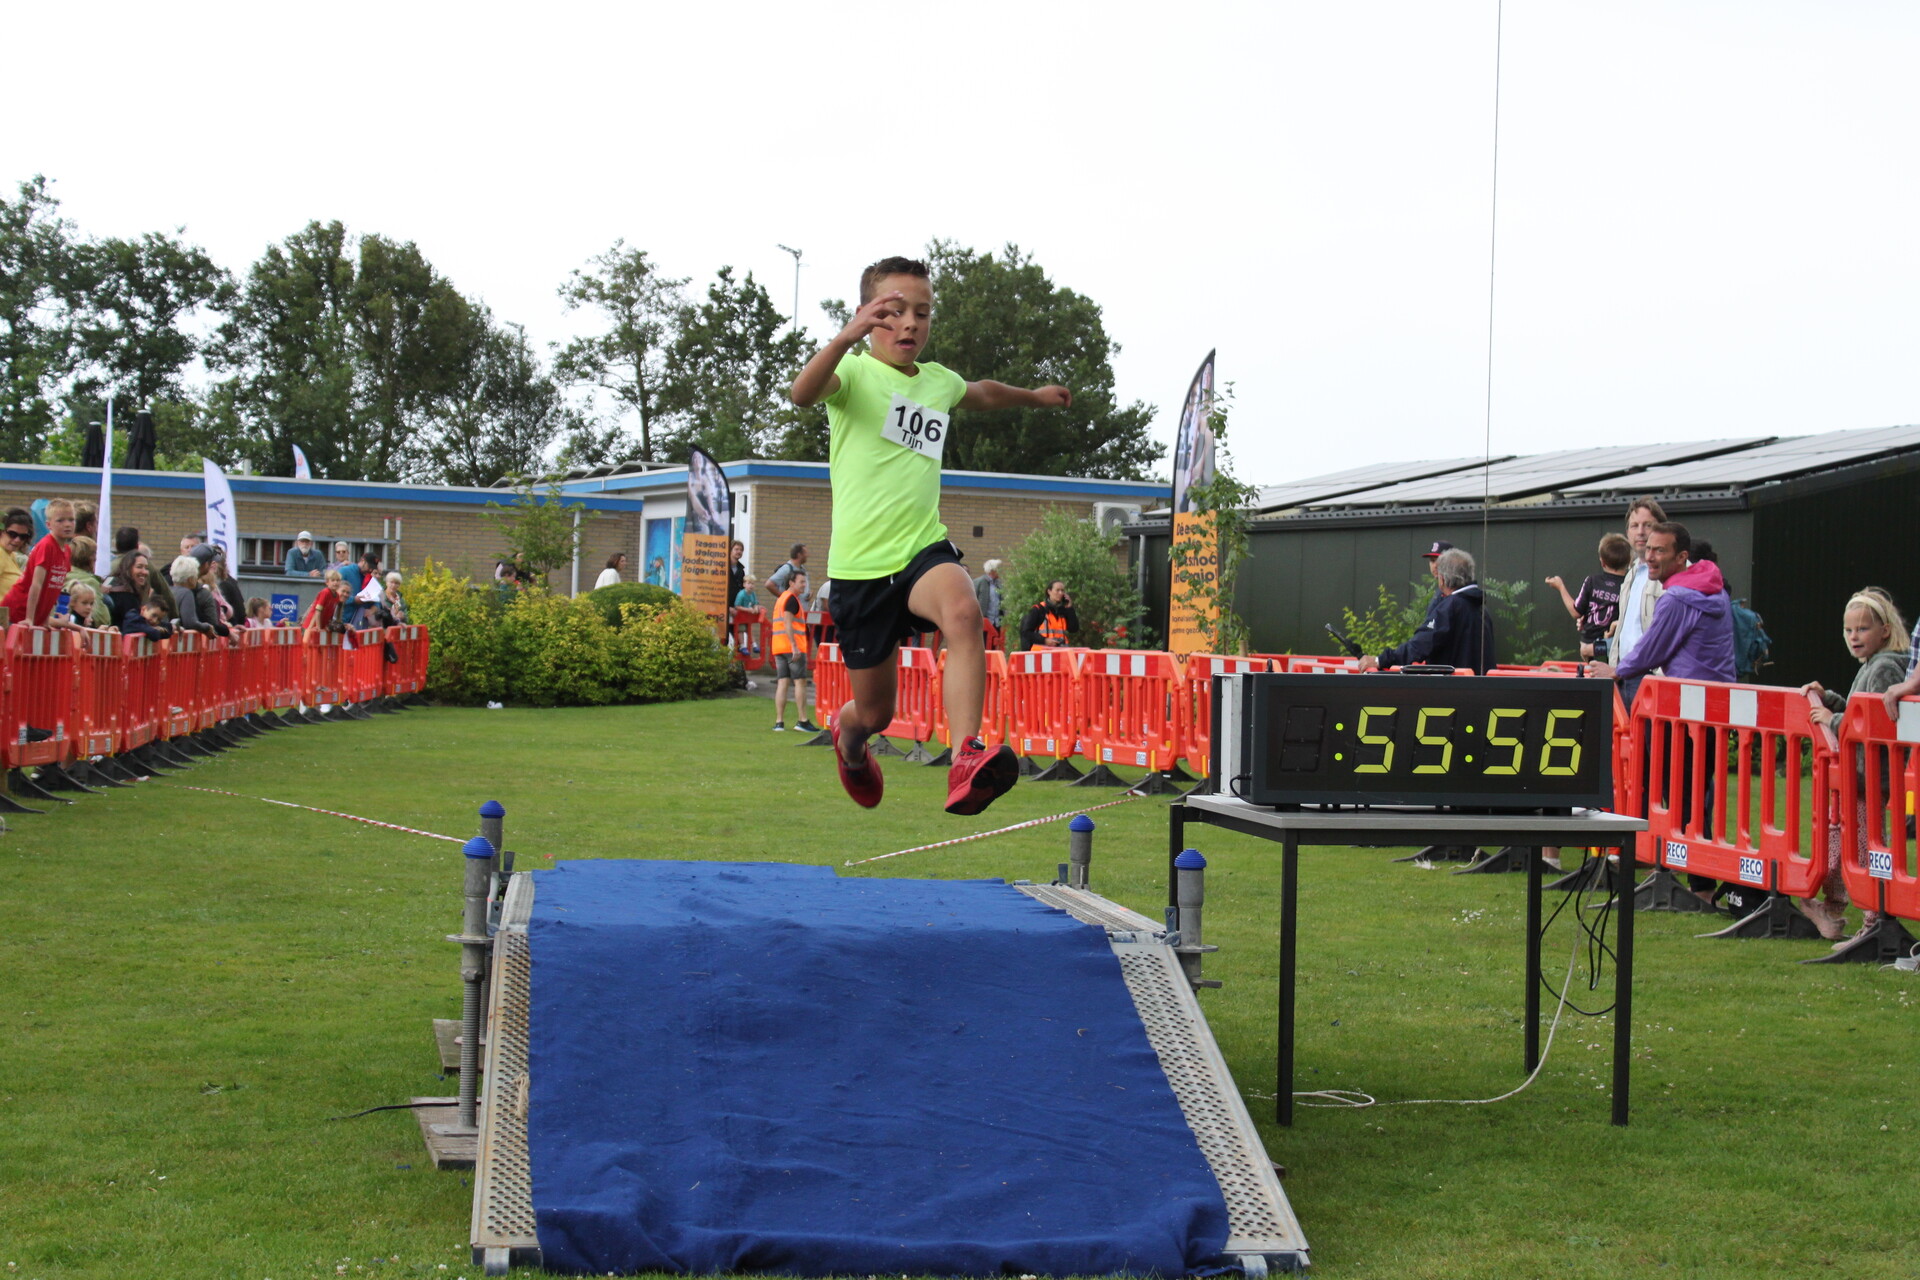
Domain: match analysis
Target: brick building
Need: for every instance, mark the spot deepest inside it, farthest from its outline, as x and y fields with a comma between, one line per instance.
x=406, y=523
x=777, y=504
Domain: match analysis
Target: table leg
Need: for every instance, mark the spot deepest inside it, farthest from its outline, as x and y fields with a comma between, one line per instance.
x=1532, y=1050
x=1623, y=990
x=1289, y=894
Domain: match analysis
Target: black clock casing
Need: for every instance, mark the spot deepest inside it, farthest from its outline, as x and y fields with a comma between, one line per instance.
x=1481, y=742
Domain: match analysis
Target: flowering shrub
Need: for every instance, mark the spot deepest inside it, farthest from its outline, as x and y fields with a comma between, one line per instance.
x=464, y=659
x=667, y=653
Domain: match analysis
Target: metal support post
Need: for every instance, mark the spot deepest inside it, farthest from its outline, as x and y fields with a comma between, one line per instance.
x=1080, y=852
x=474, y=943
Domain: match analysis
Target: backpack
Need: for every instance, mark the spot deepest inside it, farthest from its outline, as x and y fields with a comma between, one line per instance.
x=1752, y=647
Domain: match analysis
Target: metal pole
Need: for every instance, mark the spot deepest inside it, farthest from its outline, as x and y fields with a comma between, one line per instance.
x=473, y=973
x=796, y=286
x=1080, y=852
x=1530, y=1054
x=1190, y=876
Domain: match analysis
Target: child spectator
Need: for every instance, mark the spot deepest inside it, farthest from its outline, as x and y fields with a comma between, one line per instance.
x=82, y=603
x=1877, y=638
x=324, y=613
x=81, y=575
x=1598, y=603
x=894, y=570
x=259, y=613
x=44, y=577
x=149, y=620
x=743, y=641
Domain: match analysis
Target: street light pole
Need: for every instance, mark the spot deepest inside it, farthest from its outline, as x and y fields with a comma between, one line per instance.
x=796, y=285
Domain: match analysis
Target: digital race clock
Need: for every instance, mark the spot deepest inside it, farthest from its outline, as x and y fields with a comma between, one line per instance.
x=1480, y=742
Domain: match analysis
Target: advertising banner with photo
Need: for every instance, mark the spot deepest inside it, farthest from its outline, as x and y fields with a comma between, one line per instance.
x=1192, y=609
x=221, y=525
x=703, y=544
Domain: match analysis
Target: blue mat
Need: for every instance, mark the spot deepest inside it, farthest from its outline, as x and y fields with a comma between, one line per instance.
x=760, y=1067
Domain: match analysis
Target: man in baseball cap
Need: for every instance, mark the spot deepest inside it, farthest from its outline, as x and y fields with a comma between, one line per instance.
x=304, y=560
x=1433, y=552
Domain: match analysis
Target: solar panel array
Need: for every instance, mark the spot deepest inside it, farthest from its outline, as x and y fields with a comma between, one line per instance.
x=1316, y=489
x=1775, y=460
x=1537, y=473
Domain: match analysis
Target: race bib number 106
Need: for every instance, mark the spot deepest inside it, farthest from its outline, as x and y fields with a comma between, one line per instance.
x=915, y=427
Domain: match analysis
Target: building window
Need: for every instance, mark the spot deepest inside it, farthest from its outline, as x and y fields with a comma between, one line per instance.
x=979, y=531
x=266, y=553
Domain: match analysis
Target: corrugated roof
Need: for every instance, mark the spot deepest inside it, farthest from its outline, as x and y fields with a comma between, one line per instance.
x=1298, y=493
x=1536, y=473
x=1792, y=456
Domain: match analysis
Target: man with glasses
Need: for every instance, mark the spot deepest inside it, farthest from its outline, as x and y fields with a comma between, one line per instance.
x=15, y=533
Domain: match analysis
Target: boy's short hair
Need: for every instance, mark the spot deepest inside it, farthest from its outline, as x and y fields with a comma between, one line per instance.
x=155, y=605
x=334, y=575
x=126, y=538
x=60, y=504
x=84, y=549
x=1616, y=553
x=890, y=267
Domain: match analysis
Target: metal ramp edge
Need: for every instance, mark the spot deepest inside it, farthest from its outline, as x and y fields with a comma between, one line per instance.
x=1262, y=1230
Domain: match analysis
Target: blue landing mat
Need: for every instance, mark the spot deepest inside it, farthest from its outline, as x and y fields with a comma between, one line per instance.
x=761, y=1067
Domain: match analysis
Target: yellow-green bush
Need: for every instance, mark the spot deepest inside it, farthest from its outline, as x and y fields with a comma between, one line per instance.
x=532, y=648
x=464, y=656
x=558, y=651
x=666, y=653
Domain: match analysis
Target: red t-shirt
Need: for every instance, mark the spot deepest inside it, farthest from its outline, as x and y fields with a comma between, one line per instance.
x=47, y=554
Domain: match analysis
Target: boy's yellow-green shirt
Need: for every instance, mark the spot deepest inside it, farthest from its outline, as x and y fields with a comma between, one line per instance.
x=887, y=432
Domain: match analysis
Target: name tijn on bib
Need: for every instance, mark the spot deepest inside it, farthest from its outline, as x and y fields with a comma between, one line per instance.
x=915, y=427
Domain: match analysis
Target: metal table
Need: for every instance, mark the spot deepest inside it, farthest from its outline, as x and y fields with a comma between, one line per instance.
x=1587, y=828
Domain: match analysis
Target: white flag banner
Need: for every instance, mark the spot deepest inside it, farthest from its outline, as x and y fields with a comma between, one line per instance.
x=220, y=521
x=103, y=535
x=301, y=471
x=373, y=592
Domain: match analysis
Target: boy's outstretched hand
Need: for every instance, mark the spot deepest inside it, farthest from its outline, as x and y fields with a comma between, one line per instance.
x=1053, y=397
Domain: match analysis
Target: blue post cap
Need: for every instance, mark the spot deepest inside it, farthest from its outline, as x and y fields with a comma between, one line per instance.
x=1190, y=860
x=481, y=847
x=493, y=809
x=1081, y=822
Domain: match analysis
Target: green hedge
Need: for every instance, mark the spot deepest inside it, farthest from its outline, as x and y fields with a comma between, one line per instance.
x=531, y=648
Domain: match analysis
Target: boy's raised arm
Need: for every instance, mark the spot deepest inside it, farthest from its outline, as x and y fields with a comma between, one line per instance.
x=818, y=381
x=987, y=394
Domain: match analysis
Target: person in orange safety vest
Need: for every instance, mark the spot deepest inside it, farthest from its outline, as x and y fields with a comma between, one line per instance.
x=1049, y=623
x=790, y=654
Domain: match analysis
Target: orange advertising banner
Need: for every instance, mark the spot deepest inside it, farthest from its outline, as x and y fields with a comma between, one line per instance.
x=703, y=575
x=1194, y=611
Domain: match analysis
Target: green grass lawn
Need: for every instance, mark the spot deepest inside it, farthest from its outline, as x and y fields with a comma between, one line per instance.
x=194, y=983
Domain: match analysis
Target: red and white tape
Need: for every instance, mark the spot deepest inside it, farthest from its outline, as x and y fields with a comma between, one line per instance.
x=982, y=835
x=333, y=813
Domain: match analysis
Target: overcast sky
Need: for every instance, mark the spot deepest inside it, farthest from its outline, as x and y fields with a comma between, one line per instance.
x=1706, y=218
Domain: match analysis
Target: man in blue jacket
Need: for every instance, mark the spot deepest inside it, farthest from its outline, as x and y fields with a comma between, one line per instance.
x=1458, y=633
x=1691, y=635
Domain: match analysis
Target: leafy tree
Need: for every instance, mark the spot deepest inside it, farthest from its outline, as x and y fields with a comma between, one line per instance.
x=289, y=344
x=416, y=339
x=540, y=525
x=1002, y=318
x=727, y=376
x=500, y=415
x=37, y=300
x=628, y=362
x=356, y=353
x=134, y=339
x=1075, y=551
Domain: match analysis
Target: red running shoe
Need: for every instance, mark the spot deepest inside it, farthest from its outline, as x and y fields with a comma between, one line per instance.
x=863, y=782
x=979, y=776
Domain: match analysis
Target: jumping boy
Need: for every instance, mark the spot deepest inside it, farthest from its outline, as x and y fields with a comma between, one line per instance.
x=894, y=571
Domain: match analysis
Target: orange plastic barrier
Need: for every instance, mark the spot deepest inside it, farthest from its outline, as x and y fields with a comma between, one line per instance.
x=180, y=683
x=831, y=690
x=40, y=694
x=1195, y=698
x=1745, y=828
x=363, y=667
x=1043, y=702
x=101, y=689
x=143, y=705
x=324, y=683
x=286, y=667
x=752, y=633
x=219, y=675
x=1128, y=707
x=1880, y=767
x=256, y=669
x=409, y=674
x=1312, y=664
x=916, y=695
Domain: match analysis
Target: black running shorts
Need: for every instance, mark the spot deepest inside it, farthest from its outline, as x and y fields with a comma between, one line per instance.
x=871, y=614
